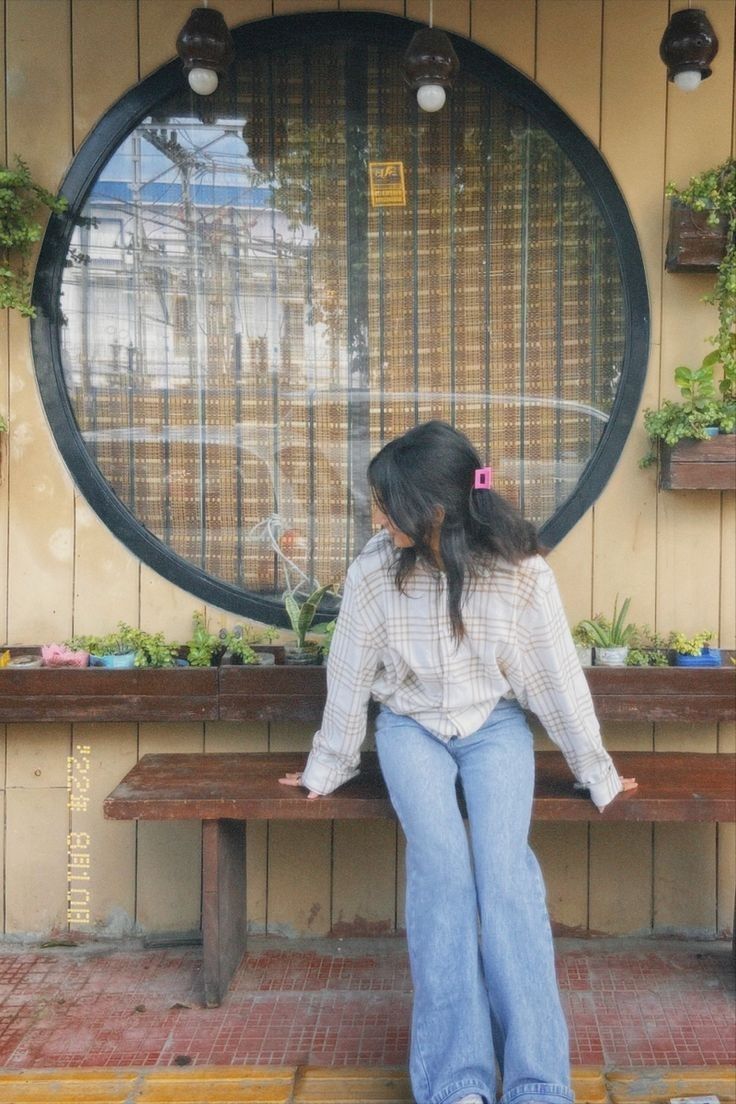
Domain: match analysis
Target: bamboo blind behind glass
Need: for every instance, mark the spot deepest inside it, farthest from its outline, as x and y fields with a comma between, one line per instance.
x=244, y=329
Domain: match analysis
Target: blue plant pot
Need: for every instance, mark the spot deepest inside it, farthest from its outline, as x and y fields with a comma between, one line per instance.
x=117, y=662
x=709, y=657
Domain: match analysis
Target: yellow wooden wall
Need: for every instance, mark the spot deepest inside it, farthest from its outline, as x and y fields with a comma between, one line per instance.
x=66, y=62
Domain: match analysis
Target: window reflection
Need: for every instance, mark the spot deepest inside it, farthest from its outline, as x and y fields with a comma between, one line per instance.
x=243, y=328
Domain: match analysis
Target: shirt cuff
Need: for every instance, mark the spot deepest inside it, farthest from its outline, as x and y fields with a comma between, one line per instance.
x=603, y=790
x=322, y=775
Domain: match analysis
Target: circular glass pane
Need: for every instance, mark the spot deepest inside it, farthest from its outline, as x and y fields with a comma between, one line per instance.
x=263, y=286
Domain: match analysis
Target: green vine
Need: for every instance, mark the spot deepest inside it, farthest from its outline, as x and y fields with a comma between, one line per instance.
x=20, y=200
x=714, y=191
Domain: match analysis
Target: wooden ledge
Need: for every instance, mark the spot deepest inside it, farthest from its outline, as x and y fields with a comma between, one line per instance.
x=696, y=695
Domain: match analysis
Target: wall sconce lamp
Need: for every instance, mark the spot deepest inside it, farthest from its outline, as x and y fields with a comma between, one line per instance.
x=206, y=48
x=688, y=46
x=430, y=64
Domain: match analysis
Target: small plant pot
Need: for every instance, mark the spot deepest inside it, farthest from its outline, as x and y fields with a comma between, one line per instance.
x=303, y=657
x=709, y=657
x=611, y=657
x=116, y=662
x=711, y=431
x=585, y=655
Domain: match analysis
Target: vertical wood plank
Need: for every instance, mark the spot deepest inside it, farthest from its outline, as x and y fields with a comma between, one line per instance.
x=106, y=576
x=685, y=872
x=169, y=854
x=299, y=878
x=4, y=383
x=685, y=879
x=104, y=58
x=625, y=515
x=451, y=15
x=3, y=871
x=400, y=881
x=41, y=520
x=292, y=7
x=726, y=882
x=620, y=905
x=727, y=623
x=562, y=851
x=299, y=857
x=698, y=136
x=37, y=822
x=364, y=878
x=391, y=7
x=508, y=30
x=164, y=607
x=576, y=87
x=572, y=561
x=111, y=843
x=571, y=75
x=36, y=890
x=726, y=855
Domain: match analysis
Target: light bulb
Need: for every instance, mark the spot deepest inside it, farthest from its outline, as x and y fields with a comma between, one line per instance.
x=688, y=80
x=203, y=81
x=431, y=97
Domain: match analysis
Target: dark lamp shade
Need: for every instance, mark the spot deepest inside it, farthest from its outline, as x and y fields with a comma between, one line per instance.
x=689, y=43
x=204, y=42
x=430, y=59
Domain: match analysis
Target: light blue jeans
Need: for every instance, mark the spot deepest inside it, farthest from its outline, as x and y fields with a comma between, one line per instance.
x=480, y=945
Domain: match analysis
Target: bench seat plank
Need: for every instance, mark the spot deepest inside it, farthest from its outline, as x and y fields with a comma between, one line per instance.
x=673, y=786
x=225, y=790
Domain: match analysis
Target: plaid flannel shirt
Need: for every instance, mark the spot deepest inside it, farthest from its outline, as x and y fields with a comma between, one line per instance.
x=398, y=648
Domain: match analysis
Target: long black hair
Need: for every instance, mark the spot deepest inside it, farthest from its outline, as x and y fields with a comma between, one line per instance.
x=428, y=473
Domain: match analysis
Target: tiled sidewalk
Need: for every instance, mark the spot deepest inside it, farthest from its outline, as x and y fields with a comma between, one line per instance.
x=345, y=1003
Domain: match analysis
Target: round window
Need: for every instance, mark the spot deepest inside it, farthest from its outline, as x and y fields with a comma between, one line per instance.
x=251, y=292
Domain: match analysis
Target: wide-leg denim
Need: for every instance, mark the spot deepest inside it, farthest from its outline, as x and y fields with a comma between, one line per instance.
x=480, y=945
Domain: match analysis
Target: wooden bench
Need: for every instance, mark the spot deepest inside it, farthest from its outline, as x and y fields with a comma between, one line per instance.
x=226, y=790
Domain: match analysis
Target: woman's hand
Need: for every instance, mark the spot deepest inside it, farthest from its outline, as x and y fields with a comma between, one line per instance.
x=628, y=783
x=296, y=780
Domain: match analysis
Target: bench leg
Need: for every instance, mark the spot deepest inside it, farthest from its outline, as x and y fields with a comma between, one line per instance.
x=223, y=905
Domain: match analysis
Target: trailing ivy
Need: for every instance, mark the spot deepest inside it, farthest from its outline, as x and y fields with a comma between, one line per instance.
x=20, y=200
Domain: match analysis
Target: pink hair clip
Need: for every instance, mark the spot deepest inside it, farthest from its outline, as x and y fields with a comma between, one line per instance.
x=483, y=479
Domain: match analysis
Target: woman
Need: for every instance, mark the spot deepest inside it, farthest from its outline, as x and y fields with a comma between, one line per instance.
x=452, y=620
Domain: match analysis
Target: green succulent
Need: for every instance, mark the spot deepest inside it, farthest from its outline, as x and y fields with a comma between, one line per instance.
x=615, y=633
x=302, y=614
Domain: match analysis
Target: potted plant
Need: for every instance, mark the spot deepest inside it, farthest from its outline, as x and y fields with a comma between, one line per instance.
x=700, y=414
x=584, y=643
x=126, y=647
x=326, y=631
x=647, y=649
x=706, y=409
x=20, y=200
x=693, y=651
x=204, y=648
x=611, y=638
x=241, y=644
x=301, y=615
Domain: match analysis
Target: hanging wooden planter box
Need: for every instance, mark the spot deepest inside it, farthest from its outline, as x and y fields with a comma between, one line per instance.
x=694, y=245
x=699, y=465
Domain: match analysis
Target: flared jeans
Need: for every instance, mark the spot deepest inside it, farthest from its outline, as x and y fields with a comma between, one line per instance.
x=480, y=944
